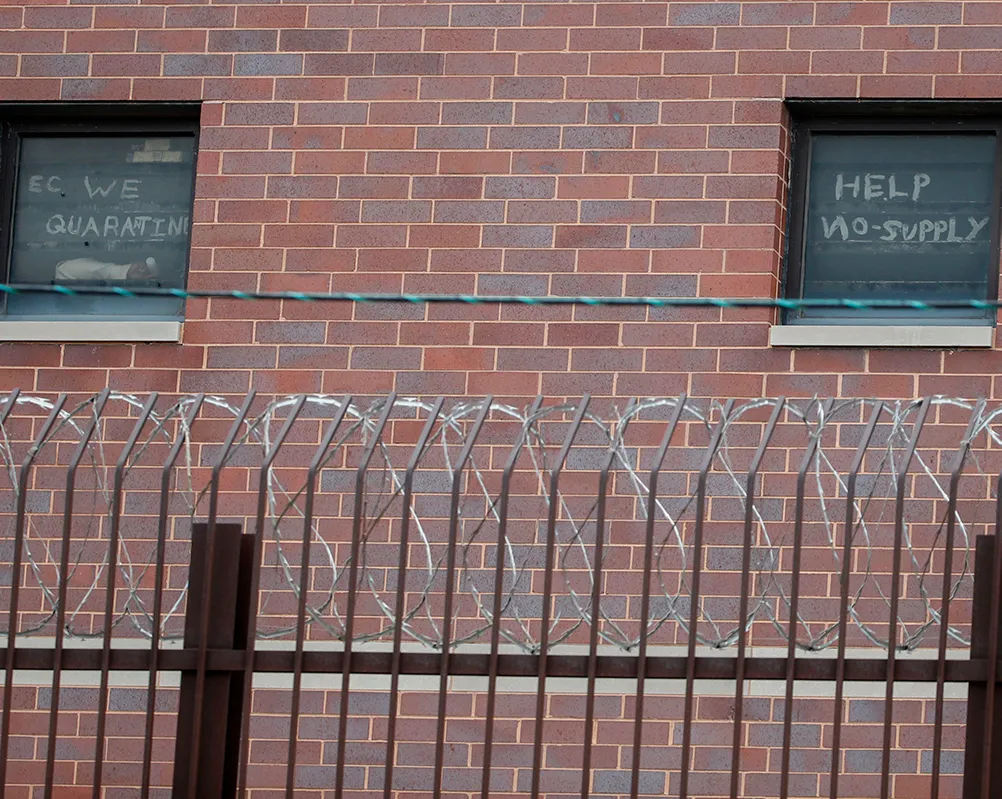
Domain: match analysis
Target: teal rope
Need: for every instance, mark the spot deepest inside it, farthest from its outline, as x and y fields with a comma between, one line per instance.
x=17, y=289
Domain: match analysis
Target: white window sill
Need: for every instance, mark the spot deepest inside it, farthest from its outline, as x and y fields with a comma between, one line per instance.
x=869, y=336
x=96, y=332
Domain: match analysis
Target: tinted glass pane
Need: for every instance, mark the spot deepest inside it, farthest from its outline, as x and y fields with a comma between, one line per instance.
x=105, y=210
x=900, y=217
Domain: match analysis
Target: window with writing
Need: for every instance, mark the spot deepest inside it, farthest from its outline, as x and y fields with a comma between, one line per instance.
x=112, y=209
x=896, y=215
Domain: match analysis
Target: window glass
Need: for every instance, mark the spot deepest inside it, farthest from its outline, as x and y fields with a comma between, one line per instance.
x=899, y=217
x=102, y=210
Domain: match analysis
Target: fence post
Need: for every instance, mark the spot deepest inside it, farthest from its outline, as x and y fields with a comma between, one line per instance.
x=220, y=714
x=977, y=693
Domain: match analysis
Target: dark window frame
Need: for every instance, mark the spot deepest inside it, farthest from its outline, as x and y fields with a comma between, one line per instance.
x=808, y=117
x=73, y=120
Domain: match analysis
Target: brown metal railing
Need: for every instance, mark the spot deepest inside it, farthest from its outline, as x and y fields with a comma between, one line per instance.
x=394, y=539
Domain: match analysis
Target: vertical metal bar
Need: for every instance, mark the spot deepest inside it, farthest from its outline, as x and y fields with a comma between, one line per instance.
x=401, y=599
x=697, y=570
x=64, y=579
x=544, y=631
x=349, y=622
x=596, y=599
x=987, y=761
x=492, y=671
x=255, y=580
x=892, y=634
x=109, y=604
x=791, y=644
x=944, y=614
x=645, y=593
x=319, y=458
x=739, y=679
x=15, y=582
x=450, y=583
x=210, y=547
x=151, y=691
x=850, y=528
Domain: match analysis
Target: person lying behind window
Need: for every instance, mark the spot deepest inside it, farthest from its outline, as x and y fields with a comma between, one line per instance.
x=94, y=270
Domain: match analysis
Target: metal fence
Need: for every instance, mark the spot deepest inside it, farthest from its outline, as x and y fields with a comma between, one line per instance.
x=759, y=598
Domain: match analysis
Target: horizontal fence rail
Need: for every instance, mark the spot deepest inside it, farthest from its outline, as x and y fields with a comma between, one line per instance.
x=667, y=596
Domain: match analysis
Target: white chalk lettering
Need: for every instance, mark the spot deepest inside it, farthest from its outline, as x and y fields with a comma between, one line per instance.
x=925, y=227
x=893, y=227
x=860, y=226
x=938, y=229
x=976, y=227
x=56, y=224
x=892, y=189
x=837, y=224
x=91, y=225
x=157, y=224
x=872, y=188
x=35, y=184
x=128, y=227
x=130, y=189
x=110, y=226
x=841, y=184
x=919, y=182
x=104, y=191
x=50, y=184
x=178, y=226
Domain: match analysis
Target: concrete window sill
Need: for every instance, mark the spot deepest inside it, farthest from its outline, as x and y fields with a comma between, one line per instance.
x=97, y=332
x=870, y=336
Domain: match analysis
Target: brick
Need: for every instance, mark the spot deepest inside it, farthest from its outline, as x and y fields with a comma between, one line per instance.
x=592, y=39
x=267, y=64
x=76, y=89
x=520, y=187
x=597, y=138
x=530, y=113
x=102, y=41
x=687, y=39
x=339, y=64
x=862, y=12
x=58, y=18
x=550, y=64
x=197, y=65
x=918, y=13
x=396, y=211
x=35, y=66
x=549, y=211
x=528, y=88
x=490, y=16
x=704, y=14
x=457, y=39
x=302, y=187
x=465, y=211
x=787, y=13
x=486, y=113
x=520, y=236
x=125, y=17
x=170, y=41
x=524, y=138
x=452, y=138
x=301, y=137
x=480, y=64
x=409, y=64
x=448, y=187
x=619, y=162
x=612, y=211
x=625, y=64
x=591, y=236
x=176, y=17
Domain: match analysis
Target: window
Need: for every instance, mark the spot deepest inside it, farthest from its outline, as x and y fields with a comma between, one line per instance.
x=894, y=201
x=97, y=195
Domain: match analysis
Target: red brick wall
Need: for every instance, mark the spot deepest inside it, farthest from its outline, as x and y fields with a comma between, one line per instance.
x=601, y=148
